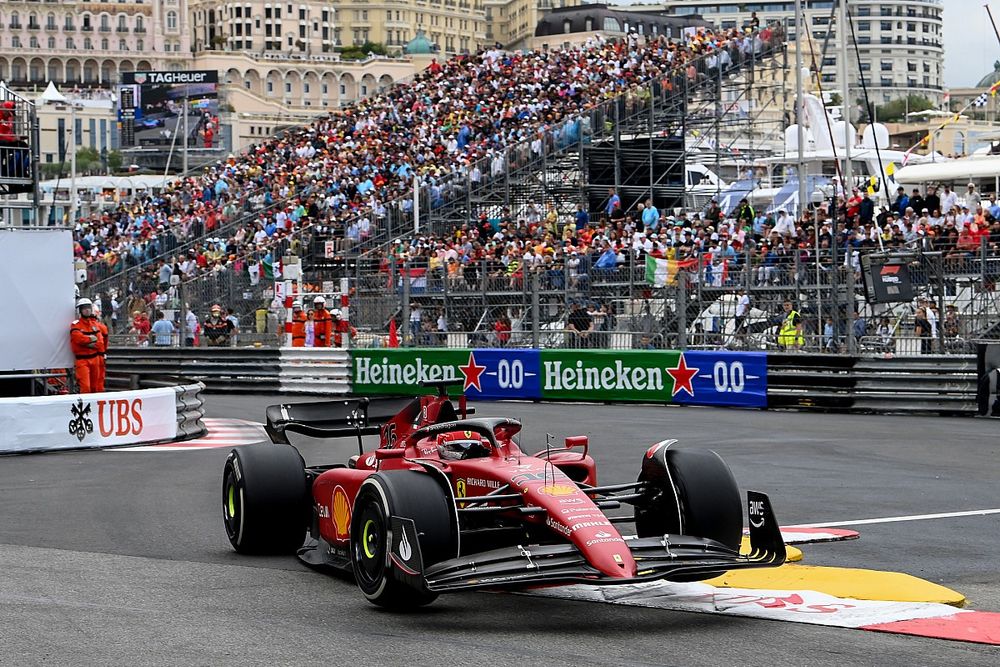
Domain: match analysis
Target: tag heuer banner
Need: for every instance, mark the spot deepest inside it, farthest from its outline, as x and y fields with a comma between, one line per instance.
x=660, y=376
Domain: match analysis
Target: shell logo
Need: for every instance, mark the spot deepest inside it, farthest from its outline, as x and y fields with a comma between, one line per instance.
x=558, y=490
x=341, y=513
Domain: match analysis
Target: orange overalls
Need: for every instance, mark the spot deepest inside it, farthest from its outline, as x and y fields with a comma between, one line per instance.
x=341, y=327
x=299, y=320
x=322, y=327
x=88, y=339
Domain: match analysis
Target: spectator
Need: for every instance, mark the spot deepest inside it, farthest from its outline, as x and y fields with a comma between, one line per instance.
x=790, y=331
x=163, y=330
x=922, y=330
x=579, y=326
x=218, y=329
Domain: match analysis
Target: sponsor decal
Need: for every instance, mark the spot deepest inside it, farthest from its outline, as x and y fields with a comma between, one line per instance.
x=341, y=513
x=324, y=512
x=603, y=540
x=602, y=534
x=368, y=370
x=578, y=512
x=370, y=461
x=174, y=77
x=683, y=375
x=115, y=417
x=558, y=527
x=755, y=511
x=460, y=491
x=80, y=423
x=613, y=377
x=558, y=490
x=483, y=483
x=553, y=474
x=472, y=371
x=570, y=501
x=405, y=550
x=588, y=524
x=651, y=452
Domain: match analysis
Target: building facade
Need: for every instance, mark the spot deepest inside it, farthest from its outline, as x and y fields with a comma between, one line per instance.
x=900, y=41
x=78, y=43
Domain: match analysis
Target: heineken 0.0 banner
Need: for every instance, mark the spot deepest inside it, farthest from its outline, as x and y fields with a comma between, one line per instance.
x=667, y=376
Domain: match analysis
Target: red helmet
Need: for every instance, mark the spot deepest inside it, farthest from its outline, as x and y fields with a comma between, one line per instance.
x=459, y=445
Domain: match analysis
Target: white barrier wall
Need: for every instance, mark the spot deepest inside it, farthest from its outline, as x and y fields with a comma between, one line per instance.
x=87, y=420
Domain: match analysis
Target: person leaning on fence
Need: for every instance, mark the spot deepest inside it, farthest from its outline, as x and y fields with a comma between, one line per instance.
x=790, y=332
x=579, y=327
x=163, y=330
x=299, y=320
x=217, y=328
x=322, y=323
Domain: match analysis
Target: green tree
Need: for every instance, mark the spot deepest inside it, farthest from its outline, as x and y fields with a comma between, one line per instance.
x=115, y=161
x=896, y=110
x=87, y=159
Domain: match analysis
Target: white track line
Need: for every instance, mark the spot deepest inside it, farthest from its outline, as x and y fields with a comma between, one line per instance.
x=895, y=519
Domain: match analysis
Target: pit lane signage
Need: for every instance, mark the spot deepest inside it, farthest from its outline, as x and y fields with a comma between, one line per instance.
x=661, y=376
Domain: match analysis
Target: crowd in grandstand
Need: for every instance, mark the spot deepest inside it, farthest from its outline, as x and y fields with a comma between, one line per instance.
x=455, y=118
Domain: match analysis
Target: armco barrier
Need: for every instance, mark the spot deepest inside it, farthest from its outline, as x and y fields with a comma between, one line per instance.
x=655, y=376
x=230, y=370
x=925, y=384
x=85, y=421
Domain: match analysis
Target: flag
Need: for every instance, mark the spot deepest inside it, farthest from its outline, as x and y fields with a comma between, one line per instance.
x=981, y=100
x=890, y=168
x=272, y=270
x=660, y=272
x=393, y=335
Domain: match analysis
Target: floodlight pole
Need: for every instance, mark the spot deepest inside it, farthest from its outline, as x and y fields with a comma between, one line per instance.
x=72, y=164
x=800, y=109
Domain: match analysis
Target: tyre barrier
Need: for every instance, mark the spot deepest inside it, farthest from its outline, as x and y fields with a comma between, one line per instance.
x=113, y=418
x=928, y=384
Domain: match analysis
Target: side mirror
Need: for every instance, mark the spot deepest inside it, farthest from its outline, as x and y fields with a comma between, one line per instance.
x=578, y=441
x=394, y=453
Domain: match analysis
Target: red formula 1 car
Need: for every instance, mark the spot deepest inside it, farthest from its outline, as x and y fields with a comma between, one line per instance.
x=450, y=503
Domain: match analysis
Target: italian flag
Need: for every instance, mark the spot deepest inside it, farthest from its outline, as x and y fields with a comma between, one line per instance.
x=660, y=272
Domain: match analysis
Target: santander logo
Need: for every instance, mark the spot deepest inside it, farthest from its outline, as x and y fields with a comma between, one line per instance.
x=119, y=417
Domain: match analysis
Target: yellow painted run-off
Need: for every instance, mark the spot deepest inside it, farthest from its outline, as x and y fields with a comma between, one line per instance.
x=842, y=582
x=792, y=554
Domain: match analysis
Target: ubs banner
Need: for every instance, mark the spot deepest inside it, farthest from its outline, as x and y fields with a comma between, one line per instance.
x=661, y=376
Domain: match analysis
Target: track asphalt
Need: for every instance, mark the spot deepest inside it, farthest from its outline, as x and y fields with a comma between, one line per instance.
x=121, y=558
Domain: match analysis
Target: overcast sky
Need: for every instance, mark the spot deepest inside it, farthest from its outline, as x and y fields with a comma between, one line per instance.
x=970, y=46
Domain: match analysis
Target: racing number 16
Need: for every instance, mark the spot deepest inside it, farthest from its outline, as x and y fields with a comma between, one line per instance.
x=729, y=377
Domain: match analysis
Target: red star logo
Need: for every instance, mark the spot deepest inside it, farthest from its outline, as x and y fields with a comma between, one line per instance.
x=472, y=372
x=682, y=376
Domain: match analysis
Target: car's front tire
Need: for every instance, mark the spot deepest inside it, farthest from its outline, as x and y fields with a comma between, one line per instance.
x=409, y=494
x=690, y=492
x=265, y=499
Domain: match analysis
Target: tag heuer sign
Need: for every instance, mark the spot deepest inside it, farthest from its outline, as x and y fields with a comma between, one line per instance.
x=170, y=78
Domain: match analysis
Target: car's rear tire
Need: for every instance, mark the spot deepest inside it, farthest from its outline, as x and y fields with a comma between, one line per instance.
x=406, y=494
x=265, y=499
x=689, y=492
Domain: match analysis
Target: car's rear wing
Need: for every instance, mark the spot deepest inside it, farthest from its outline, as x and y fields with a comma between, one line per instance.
x=335, y=419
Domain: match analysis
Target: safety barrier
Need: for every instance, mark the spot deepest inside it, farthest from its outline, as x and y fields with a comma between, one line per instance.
x=238, y=370
x=113, y=418
x=314, y=370
x=988, y=375
x=926, y=384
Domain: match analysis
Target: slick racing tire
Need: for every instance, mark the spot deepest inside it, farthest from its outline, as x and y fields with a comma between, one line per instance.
x=265, y=499
x=380, y=571
x=689, y=492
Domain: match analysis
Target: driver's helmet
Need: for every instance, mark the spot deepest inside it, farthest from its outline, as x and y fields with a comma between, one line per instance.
x=461, y=445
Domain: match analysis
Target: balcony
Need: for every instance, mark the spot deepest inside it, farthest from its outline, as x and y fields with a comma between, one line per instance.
x=141, y=31
x=120, y=28
x=87, y=28
x=34, y=26
x=105, y=28
x=15, y=26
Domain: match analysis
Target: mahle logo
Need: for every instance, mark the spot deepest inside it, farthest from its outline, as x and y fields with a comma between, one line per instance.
x=374, y=371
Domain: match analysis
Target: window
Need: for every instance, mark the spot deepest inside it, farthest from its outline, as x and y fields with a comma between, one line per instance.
x=50, y=22
x=323, y=89
x=15, y=21
x=139, y=45
x=33, y=42
x=104, y=44
x=885, y=25
x=122, y=26
x=886, y=65
x=68, y=25
x=567, y=26
x=171, y=20
x=105, y=25
x=52, y=43
x=121, y=45
x=864, y=25
x=87, y=44
x=911, y=66
x=69, y=44
x=288, y=87
x=588, y=25
x=611, y=24
x=305, y=88
x=270, y=86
